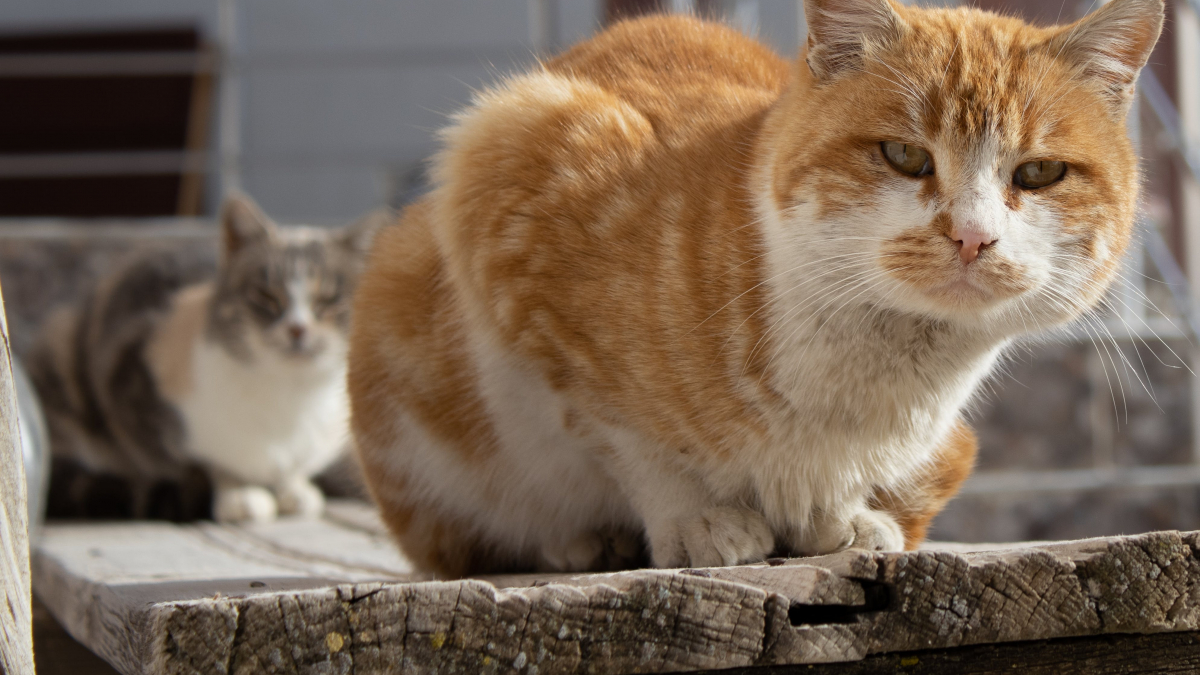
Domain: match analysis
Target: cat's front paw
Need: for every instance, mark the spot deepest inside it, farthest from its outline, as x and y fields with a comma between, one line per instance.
x=301, y=498
x=581, y=554
x=866, y=529
x=606, y=549
x=716, y=536
x=246, y=504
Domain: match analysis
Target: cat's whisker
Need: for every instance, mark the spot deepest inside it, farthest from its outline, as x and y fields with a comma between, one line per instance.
x=871, y=308
x=811, y=299
x=1092, y=321
x=1088, y=328
x=798, y=284
x=1145, y=299
x=771, y=278
x=1130, y=368
x=950, y=61
x=871, y=282
x=761, y=255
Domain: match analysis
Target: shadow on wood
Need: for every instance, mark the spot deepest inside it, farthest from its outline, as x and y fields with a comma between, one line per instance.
x=334, y=596
x=16, y=635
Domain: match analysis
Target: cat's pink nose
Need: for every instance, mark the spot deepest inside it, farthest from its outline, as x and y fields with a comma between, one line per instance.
x=296, y=331
x=970, y=242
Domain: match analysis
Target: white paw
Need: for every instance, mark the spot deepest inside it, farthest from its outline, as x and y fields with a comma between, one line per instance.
x=607, y=549
x=718, y=535
x=876, y=531
x=301, y=498
x=244, y=504
x=866, y=529
x=578, y=555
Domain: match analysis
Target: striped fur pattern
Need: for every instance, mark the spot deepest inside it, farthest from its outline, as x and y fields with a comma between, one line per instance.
x=175, y=393
x=671, y=302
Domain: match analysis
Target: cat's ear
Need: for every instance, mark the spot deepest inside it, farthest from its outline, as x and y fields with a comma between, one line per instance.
x=1111, y=44
x=842, y=32
x=242, y=223
x=357, y=236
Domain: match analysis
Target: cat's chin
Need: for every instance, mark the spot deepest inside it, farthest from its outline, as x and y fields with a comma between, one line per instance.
x=958, y=301
x=303, y=354
x=963, y=294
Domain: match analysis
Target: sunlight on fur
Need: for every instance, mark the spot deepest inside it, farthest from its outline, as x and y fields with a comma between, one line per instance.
x=675, y=300
x=171, y=382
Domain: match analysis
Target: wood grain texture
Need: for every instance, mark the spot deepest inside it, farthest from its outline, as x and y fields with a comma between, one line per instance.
x=1126, y=654
x=156, y=598
x=16, y=614
x=55, y=652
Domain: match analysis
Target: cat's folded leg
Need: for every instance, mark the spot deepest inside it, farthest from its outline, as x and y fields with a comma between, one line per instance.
x=685, y=525
x=243, y=503
x=863, y=528
x=725, y=535
x=300, y=497
x=712, y=536
x=598, y=551
x=580, y=554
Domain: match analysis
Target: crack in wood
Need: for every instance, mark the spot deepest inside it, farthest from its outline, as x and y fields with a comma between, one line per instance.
x=842, y=607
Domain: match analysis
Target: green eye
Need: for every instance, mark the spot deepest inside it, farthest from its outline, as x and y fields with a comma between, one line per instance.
x=264, y=302
x=1034, y=175
x=908, y=159
x=330, y=298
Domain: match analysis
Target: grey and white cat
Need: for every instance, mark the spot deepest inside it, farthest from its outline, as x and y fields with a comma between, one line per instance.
x=167, y=385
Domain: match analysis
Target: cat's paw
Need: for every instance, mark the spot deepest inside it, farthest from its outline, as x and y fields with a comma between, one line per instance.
x=604, y=550
x=624, y=549
x=581, y=554
x=246, y=504
x=876, y=531
x=301, y=498
x=866, y=529
x=716, y=536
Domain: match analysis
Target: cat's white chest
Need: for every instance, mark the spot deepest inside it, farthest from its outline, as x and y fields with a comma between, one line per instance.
x=268, y=420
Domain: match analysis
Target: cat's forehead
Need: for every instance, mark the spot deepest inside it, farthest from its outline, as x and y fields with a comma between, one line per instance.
x=971, y=75
x=294, y=251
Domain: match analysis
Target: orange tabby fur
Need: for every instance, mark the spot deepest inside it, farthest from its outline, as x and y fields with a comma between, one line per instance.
x=598, y=228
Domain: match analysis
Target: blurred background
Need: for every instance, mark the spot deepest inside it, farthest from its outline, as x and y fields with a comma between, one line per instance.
x=125, y=121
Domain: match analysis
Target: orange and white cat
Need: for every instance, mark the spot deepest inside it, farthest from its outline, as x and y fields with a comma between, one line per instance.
x=672, y=294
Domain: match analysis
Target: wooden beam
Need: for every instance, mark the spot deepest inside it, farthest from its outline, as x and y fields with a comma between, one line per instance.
x=1187, y=59
x=1107, y=655
x=333, y=596
x=16, y=627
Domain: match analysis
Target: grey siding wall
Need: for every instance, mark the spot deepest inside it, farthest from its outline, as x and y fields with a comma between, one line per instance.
x=338, y=102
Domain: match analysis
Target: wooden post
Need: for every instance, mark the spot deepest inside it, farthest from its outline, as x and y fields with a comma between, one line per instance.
x=16, y=612
x=1187, y=58
x=229, y=106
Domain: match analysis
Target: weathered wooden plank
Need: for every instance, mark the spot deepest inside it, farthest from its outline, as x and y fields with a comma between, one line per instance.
x=99, y=579
x=58, y=654
x=839, y=608
x=1127, y=654
x=55, y=652
x=330, y=542
x=356, y=515
x=16, y=623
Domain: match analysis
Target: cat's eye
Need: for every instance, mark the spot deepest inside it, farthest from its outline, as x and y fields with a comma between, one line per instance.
x=910, y=159
x=264, y=302
x=1039, y=174
x=332, y=292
